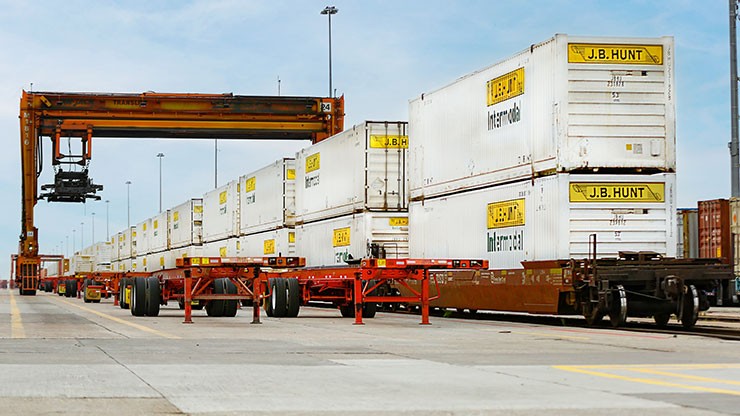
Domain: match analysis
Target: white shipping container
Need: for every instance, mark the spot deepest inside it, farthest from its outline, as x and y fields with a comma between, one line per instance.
x=687, y=237
x=221, y=212
x=550, y=219
x=563, y=105
x=362, y=168
x=102, y=252
x=355, y=236
x=141, y=241
x=159, y=237
x=104, y=267
x=222, y=248
x=126, y=265
x=82, y=263
x=125, y=248
x=171, y=256
x=115, y=253
x=186, y=223
x=267, y=198
x=52, y=268
x=280, y=242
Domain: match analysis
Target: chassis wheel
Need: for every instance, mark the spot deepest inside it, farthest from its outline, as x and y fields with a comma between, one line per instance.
x=151, y=298
x=230, y=306
x=122, y=293
x=294, y=297
x=278, y=298
x=618, y=307
x=138, y=296
x=347, y=311
x=690, y=306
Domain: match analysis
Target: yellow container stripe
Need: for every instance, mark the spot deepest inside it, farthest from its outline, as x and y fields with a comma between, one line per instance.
x=382, y=141
x=617, y=192
x=596, y=53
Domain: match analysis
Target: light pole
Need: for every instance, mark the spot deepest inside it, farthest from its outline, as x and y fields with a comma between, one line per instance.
x=128, y=203
x=74, y=242
x=160, y=156
x=93, y=228
x=107, y=230
x=330, y=10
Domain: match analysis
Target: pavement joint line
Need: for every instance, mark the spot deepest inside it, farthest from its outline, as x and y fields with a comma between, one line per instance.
x=654, y=382
x=685, y=376
x=16, y=323
x=121, y=321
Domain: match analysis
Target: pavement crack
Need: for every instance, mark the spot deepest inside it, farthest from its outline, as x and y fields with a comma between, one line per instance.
x=133, y=373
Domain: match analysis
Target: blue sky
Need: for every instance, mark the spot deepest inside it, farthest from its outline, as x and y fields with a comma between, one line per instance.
x=384, y=53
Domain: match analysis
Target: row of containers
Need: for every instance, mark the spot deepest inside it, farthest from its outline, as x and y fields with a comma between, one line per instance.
x=520, y=161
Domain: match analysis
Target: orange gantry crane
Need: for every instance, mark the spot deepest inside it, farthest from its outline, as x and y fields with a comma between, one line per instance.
x=62, y=116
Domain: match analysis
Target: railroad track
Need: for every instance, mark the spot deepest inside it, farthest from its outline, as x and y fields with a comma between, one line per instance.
x=731, y=333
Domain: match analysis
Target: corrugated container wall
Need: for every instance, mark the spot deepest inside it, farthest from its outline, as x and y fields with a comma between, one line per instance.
x=714, y=230
x=355, y=236
x=280, y=242
x=221, y=212
x=115, y=253
x=267, y=198
x=185, y=225
x=565, y=105
x=143, y=233
x=222, y=248
x=103, y=253
x=688, y=233
x=551, y=218
x=361, y=168
x=159, y=239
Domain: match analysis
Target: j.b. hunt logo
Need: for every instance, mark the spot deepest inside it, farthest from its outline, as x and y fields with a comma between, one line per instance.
x=499, y=119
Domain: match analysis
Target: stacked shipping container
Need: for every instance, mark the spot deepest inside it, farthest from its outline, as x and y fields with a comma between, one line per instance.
x=525, y=159
x=351, y=195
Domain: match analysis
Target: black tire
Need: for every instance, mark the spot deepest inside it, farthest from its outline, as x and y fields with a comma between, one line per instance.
x=268, y=302
x=347, y=311
x=370, y=309
x=198, y=306
x=294, y=298
x=181, y=303
x=67, y=288
x=151, y=299
x=122, y=293
x=138, y=297
x=230, y=306
x=278, y=298
x=215, y=308
x=72, y=288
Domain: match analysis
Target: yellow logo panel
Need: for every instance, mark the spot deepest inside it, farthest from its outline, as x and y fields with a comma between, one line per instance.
x=269, y=246
x=222, y=251
x=617, y=192
x=313, y=162
x=341, y=237
x=290, y=174
x=250, y=184
x=198, y=209
x=588, y=53
x=176, y=216
x=381, y=141
x=291, y=237
x=506, y=86
x=506, y=214
x=155, y=224
x=398, y=221
x=222, y=197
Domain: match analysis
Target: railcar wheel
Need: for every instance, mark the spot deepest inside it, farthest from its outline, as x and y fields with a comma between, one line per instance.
x=151, y=299
x=618, y=307
x=661, y=319
x=138, y=297
x=690, y=307
x=294, y=297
